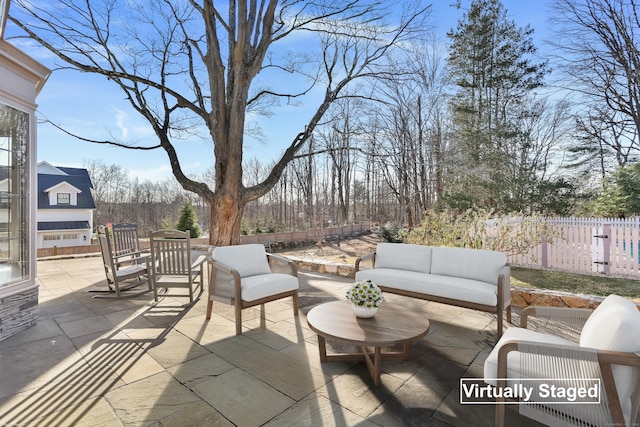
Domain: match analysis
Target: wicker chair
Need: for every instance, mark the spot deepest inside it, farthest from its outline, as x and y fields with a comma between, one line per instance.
x=242, y=275
x=571, y=347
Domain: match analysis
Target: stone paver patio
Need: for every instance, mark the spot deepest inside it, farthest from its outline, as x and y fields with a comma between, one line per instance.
x=107, y=362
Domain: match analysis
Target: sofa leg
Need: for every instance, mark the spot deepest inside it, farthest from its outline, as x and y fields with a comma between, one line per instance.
x=238, y=310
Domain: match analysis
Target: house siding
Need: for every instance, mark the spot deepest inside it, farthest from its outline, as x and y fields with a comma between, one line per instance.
x=83, y=235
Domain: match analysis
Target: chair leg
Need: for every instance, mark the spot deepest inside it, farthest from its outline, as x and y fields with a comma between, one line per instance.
x=295, y=304
x=117, y=288
x=209, y=308
x=500, y=409
x=509, y=314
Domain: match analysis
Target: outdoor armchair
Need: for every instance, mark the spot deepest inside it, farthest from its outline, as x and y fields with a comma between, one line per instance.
x=121, y=275
x=564, y=347
x=242, y=275
x=170, y=265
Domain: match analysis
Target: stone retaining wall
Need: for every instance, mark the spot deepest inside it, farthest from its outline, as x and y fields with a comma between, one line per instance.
x=520, y=297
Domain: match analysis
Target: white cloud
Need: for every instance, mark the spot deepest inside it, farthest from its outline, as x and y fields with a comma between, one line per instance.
x=156, y=173
x=121, y=117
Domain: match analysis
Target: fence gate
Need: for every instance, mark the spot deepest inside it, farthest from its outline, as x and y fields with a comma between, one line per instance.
x=601, y=249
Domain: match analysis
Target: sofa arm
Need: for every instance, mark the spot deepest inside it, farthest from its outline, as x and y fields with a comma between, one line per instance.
x=564, y=322
x=365, y=258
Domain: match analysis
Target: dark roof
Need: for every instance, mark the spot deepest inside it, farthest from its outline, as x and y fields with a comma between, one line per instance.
x=81, y=181
x=76, y=172
x=63, y=225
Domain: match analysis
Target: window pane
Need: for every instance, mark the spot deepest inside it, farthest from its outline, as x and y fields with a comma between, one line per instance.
x=14, y=227
x=64, y=198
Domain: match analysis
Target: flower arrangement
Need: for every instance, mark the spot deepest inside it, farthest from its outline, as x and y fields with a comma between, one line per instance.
x=365, y=294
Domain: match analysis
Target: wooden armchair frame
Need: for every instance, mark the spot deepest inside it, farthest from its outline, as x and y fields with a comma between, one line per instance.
x=170, y=264
x=119, y=272
x=126, y=243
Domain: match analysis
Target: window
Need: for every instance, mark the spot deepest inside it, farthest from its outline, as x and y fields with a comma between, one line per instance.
x=50, y=237
x=64, y=198
x=75, y=236
x=14, y=214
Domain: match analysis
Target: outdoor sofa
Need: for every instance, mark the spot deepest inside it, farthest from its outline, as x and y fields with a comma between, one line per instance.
x=470, y=278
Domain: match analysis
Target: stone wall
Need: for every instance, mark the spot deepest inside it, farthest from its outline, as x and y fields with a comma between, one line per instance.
x=520, y=297
x=18, y=312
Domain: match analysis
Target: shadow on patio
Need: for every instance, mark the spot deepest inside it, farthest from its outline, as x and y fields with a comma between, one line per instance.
x=113, y=362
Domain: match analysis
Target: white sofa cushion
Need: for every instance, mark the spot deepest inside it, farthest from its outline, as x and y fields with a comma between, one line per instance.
x=513, y=359
x=403, y=256
x=259, y=286
x=615, y=326
x=476, y=264
x=442, y=286
x=248, y=260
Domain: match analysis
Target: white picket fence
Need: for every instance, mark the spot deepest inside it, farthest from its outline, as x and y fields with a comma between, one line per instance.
x=588, y=246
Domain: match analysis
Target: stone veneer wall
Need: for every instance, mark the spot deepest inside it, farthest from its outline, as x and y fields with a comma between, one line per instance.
x=18, y=312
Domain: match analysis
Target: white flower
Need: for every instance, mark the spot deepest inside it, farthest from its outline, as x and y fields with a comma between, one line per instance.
x=365, y=294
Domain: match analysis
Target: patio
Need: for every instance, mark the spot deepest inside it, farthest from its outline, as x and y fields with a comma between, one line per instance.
x=102, y=362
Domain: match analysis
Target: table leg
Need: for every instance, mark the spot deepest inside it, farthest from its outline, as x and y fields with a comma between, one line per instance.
x=322, y=347
x=377, y=365
x=406, y=354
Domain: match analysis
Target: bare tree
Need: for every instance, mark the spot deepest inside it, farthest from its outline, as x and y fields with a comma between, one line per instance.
x=189, y=67
x=599, y=41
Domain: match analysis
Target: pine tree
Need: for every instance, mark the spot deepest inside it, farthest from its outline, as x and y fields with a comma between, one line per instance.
x=188, y=220
x=490, y=62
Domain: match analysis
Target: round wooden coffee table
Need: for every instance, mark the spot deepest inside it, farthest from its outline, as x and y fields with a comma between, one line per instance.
x=393, y=325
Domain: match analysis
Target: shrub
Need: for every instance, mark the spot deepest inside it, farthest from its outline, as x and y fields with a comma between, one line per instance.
x=512, y=234
x=391, y=234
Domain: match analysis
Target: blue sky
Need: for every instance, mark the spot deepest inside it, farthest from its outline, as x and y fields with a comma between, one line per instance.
x=93, y=108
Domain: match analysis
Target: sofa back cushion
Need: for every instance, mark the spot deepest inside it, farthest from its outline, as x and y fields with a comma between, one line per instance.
x=248, y=260
x=615, y=326
x=403, y=256
x=476, y=264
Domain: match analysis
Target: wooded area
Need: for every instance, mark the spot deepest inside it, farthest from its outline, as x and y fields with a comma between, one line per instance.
x=406, y=125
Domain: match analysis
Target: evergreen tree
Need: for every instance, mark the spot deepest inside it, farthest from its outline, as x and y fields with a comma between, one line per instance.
x=621, y=195
x=188, y=220
x=491, y=65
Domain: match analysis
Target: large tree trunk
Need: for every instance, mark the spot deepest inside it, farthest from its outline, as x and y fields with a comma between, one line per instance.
x=226, y=218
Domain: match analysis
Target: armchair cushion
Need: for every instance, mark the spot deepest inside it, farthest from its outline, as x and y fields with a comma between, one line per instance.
x=248, y=260
x=265, y=285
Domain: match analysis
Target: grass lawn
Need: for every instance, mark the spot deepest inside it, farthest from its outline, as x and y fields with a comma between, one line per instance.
x=574, y=283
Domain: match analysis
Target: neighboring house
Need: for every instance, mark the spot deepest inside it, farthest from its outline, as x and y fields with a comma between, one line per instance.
x=65, y=206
